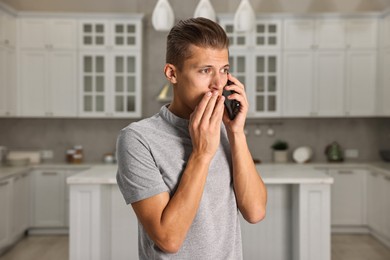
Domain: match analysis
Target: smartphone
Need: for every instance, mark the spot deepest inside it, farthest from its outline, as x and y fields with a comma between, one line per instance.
x=232, y=106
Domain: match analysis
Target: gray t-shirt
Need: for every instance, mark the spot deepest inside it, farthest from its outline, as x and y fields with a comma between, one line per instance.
x=152, y=155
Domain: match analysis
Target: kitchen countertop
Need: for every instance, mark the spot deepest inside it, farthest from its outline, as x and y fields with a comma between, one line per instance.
x=289, y=173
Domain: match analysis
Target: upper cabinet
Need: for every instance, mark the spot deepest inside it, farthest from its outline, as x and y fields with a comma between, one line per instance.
x=48, y=33
x=48, y=67
x=119, y=34
x=255, y=61
x=110, y=67
x=329, y=67
x=8, y=92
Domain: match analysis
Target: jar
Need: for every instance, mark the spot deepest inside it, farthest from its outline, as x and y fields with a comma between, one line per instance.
x=69, y=155
x=79, y=152
x=77, y=158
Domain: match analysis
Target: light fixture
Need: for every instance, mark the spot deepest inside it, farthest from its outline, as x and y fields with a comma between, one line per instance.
x=163, y=17
x=245, y=17
x=206, y=10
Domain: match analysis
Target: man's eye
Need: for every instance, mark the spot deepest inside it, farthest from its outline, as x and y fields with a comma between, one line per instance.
x=225, y=70
x=206, y=71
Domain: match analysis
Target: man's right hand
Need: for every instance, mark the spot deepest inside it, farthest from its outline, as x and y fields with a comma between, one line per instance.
x=205, y=125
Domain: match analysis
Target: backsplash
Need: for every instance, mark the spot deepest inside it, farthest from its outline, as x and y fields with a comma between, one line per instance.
x=98, y=136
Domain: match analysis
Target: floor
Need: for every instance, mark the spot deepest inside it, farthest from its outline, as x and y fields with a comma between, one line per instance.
x=344, y=247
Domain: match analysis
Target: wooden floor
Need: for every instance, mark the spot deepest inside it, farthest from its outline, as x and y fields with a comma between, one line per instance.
x=344, y=247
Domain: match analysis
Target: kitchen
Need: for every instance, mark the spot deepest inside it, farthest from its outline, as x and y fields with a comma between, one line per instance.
x=360, y=135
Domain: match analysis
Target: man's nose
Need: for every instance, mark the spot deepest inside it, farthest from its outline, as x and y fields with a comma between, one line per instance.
x=219, y=82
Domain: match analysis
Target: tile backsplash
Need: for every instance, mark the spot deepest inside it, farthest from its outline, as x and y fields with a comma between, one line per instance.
x=98, y=136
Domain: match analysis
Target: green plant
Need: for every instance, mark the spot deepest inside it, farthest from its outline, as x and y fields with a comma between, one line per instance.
x=280, y=145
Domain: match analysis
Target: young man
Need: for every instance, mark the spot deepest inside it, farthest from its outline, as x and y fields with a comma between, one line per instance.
x=187, y=171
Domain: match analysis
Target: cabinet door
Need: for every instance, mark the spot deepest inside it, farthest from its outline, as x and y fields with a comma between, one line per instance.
x=384, y=96
x=362, y=33
x=3, y=82
x=48, y=200
x=62, y=34
x=126, y=91
x=21, y=205
x=7, y=30
x=63, y=83
x=375, y=202
x=267, y=34
x=93, y=34
x=5, y=213
x=33, y=82
x=386, y=31
x=348, y=197
x=125, y=34
x=299, y=34
x=265, y=92
x=361, y=83
x=386, y=214
x=330, y=34
x=298, y=83
x=33, y=33
x=93, y=84
x=329, y=83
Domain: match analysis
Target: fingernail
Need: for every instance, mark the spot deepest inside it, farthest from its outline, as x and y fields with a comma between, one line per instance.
x=208, y=94
x=215, y=93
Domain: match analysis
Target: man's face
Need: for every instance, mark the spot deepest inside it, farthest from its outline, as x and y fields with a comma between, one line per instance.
x=206, y=70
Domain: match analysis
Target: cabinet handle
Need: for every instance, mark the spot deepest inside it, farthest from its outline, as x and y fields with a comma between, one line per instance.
x=387, y=178
x=345, y=172
x=24, y=175
x=374, y=174
x=49, y=173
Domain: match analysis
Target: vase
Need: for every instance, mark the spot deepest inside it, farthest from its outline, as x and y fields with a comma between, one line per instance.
x=280, y=156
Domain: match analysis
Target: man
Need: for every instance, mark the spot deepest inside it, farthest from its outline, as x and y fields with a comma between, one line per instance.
x=187, y=171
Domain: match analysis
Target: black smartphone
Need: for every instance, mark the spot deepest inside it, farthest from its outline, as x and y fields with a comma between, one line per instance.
x=232, y=106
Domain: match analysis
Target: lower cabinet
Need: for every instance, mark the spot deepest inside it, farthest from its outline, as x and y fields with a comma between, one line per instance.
x=50, y=200
x=5, y=215
x=15, y=206
x=378, y=204
x=348, y=197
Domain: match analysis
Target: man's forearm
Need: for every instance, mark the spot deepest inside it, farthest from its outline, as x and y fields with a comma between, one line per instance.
x=251, y=193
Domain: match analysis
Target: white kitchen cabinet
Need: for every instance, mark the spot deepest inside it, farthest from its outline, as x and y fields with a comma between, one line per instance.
x=21, y=205
x=48, y=82
x=313, y=83
x=378, y=204
x=110, y=67
x=48, y=200
x=114, y=34
x=362, y=33
x=384, y=93
x=305, y=33
x=255, y=60
x=376, y=201
x=110, y=84
x=348, y=197
x=48, y=33
x=361, y=83
x=385, y=31
x=8, y=92
x=6, y=211
x=7, y=29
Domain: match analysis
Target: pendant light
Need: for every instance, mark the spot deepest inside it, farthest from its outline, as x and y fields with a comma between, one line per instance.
x=245, y=17
x=163, y=17
x=205, y=9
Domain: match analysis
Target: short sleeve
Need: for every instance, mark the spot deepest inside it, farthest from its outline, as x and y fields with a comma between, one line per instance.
x=138, y=177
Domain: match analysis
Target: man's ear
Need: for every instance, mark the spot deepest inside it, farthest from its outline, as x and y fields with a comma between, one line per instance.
x=170, y=73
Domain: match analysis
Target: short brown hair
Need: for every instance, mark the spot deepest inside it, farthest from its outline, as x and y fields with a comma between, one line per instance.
x=200, y=32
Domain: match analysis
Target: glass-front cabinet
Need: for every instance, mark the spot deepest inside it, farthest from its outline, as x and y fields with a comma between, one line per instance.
x=255, y=62
x=110, y=59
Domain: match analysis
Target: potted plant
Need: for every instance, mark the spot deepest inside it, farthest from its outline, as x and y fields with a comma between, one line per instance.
x=280, y=148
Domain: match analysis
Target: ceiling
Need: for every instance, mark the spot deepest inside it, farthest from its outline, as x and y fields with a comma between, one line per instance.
x=146, y=6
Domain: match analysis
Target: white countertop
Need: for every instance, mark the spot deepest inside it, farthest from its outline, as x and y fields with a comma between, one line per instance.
x=290, y=173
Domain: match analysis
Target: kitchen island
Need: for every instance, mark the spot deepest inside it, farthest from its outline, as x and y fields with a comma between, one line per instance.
x=297, y=225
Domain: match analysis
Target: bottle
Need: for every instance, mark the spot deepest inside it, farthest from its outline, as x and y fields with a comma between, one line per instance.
x=79, y=154
x=69, y=155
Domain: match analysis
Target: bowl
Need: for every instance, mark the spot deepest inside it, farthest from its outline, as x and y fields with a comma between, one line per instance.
x=385, y=155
